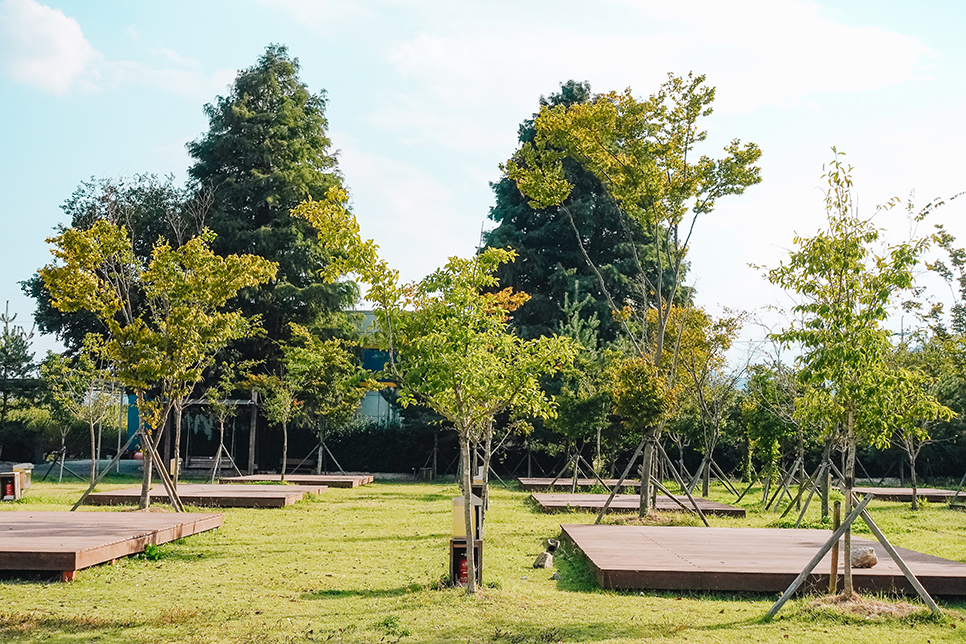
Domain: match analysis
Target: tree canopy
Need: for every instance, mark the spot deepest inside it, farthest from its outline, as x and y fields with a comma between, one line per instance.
x=164, y=346
x=550, y=265
x=267, y=150
x=845, y=286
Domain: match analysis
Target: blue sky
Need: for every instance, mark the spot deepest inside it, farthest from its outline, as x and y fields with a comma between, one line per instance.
x=425, y=98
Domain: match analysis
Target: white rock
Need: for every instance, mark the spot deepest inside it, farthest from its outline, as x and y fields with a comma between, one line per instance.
x=864, y=557
x=544, y=560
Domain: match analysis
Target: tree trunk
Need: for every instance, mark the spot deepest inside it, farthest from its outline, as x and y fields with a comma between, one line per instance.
x=215, y=471
x=912, y=479
x=146, y=464
x=177, y=441
x=706, y=477
x=487, y=457
x=468, y=514
x=93, y=453
x=284, y=449
x=647, y=467
x=847, y=588
x=63, y=457
x=826, y=458
x=253, y=422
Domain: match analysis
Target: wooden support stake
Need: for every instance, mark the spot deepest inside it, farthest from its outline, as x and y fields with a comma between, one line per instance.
x=793, y=502
x=723, y=477
x=117, y=459
x=659, y=486
x=748, y=489
x=802, y=576
x=783, y=487
x=815, y=484
x=620, y=482
x=690, y=498
x=911, y=578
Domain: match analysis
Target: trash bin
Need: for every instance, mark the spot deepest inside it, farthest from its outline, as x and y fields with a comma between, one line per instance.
x=25, y=470
x=459, y=520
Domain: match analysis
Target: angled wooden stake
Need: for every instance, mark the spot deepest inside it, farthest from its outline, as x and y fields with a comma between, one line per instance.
x=620, y=482
x=704, y=519
x=818, y=557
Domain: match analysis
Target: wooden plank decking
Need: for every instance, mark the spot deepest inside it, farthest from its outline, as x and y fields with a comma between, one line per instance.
x=69, y=541
x=904, y=494
x=537, y=484
x=331, y=480
x=216, y=496
x=742, y=559
x=628, y=503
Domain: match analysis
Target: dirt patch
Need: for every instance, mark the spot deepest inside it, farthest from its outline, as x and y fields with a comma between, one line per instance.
x=865, y=607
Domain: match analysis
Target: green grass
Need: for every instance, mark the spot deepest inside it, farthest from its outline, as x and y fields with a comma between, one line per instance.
x=368, y=565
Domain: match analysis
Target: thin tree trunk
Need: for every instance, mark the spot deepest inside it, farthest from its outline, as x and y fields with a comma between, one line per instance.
x=468, y=514
x=253, y=422
x=146, y=464
x=93, y=453
x=826, y=458
x=177, y=442
x=706, y=478
x=215, y=471
x=647, y=467
x=913, y=480
x=284, y=449
x=487, y=457
x=847, y=588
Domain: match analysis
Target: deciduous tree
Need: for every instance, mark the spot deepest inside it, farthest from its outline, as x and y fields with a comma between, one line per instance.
x=643, y=154
x=160, y=350
x=83, y=390
x=845, y=286
x=449, y=340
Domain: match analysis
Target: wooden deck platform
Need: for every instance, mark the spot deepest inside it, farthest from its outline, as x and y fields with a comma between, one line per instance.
x=330, y=480
x=537, y=484
x=904, y=494
x=742, y=559
x=214, y=496
x=69, y=541
x=628, y=503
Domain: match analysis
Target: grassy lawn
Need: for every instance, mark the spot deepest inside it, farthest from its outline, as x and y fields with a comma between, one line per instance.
x=367, y=565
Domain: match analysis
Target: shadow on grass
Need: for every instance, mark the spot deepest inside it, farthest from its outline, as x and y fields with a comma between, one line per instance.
x=435, y=536
x=342, y=594
x=14, y=624
x=669, y=626
x=424, y=497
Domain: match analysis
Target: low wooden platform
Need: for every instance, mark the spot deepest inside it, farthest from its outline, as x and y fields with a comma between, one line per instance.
x=628, y=503
x=537, y=484
x=904, y=494
x=69, y=541
x=742, y=559
x=214, y=496
x=331, y=480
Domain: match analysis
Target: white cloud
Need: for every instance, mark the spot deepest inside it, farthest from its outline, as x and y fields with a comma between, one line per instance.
x=42, y=47
x=765, y=53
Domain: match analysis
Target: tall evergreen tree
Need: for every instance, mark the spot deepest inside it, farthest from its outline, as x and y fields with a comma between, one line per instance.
x=266, y=151
x=549, y=263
